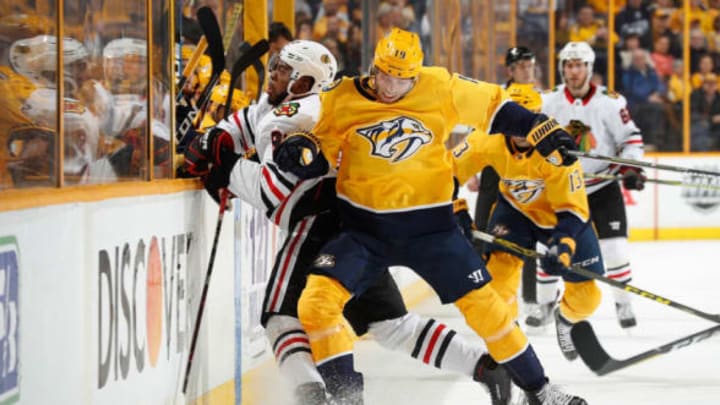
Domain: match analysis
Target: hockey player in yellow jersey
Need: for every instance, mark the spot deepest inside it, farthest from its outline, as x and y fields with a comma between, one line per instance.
x=385, y=133
x=537, y=202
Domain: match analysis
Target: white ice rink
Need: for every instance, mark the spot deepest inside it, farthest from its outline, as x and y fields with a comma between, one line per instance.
x=687, y=272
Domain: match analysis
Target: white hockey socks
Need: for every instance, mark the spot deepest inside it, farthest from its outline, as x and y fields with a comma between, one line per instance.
x=429, y=341
x=291, y=347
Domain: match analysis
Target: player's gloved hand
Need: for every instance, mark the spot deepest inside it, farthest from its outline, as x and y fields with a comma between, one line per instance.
x=558, y=258
x=552, y=141
x=299, y=153
x=214, y=181
x=633, y=178
x=463, y=219
x=215, y=147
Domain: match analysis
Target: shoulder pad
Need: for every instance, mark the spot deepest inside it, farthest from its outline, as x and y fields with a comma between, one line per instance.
x=287, y=109
x=610, y=93
x=332, y=85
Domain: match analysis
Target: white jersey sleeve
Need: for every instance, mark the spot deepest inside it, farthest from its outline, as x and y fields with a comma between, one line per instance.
x=600, y=123
x=241, y=125
x=262, y=184
x=627, y=135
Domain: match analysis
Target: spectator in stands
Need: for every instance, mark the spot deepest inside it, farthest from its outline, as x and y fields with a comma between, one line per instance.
x=303, y=29
x=661, y=57
x=331, y=13
x=588, y=29
x=705, y=65
x=353, y=51
x=387, y=18
x=635, y=19
x=643, y=90
x=705, y=115
x=631, y=42
x=713, y=37
x=698, y=48
x=661, y=27
x=675, y=83
x=278, y=36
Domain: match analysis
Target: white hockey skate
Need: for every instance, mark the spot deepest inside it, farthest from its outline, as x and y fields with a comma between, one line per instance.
x=549, y=395
x=625, y=315
x=563, y=328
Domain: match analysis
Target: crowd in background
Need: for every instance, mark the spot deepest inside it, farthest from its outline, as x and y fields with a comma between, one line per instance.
x=106, y=84
x=649, y=63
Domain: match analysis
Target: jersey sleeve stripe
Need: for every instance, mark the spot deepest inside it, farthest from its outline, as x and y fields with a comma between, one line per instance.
x=241, y=131
x=269, y=182
x=250, y=132
x=268, y=204
x=278, y=175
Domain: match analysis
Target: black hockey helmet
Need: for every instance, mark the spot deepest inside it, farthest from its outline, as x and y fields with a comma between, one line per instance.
x=518, y=53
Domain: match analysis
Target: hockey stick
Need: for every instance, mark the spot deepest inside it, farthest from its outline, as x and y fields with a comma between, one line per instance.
x=211, y=29
x=250, y=56
x=658, y=181
x=190, y=67
x=224, y=193
x=639, y=163
x=575, y=268
x=600, y=362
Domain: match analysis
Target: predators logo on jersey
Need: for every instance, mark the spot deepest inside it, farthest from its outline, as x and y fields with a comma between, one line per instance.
x=524, y=191
x=396, y=139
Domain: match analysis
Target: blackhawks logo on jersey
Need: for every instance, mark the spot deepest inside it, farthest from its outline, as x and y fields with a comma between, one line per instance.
x=396, y=139
x=524, y=191
x=583, y=135
x=287, y=109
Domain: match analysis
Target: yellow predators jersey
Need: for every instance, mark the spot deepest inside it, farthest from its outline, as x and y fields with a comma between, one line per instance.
x=393, y=155
x=528, y=182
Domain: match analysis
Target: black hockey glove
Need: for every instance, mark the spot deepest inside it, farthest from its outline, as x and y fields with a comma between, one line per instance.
x=552, y=141
x=213, y=148
x=214, y=181
x=299, y=153
x=633, y=178
x=558, y=258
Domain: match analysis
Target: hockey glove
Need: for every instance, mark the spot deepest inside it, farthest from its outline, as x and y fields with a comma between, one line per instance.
x=552, y=141
x=215, y=147
x=217, y=179
x=558, y=258
x=463, y=219
x=299, y=153
x=633, y=178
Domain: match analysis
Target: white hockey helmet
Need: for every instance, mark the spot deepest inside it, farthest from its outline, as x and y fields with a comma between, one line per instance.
x=124, y=61
x=308, y=58
x=577, y=50
x=81, y=126
x=36, y=59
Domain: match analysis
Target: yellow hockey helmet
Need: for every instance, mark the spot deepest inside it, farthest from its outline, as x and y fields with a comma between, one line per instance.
x=399, y=54
x=525, y=95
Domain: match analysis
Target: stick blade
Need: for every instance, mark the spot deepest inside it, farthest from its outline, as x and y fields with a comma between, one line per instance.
x=211, y=29
x=589, y=347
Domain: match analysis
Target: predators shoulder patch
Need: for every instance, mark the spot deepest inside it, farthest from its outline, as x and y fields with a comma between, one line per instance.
x=332, y=85
x=287, y=109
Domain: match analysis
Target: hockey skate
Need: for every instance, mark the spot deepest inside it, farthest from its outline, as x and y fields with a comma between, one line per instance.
x=550, y=395
x=563, y=328
x=625, y=315
x=495, y=379
x=312, y=393
x=540, y=315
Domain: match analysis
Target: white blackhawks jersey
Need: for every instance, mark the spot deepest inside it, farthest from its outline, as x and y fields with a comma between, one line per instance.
x=600, y=123
x=264, y=185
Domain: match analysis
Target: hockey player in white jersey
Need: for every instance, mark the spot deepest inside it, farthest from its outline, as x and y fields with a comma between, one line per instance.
x=600, y=121
x=305, y=210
